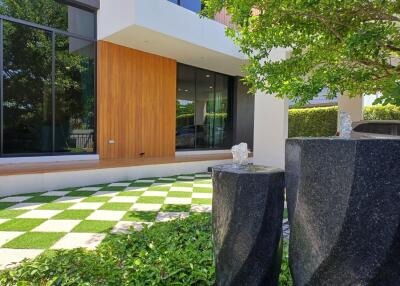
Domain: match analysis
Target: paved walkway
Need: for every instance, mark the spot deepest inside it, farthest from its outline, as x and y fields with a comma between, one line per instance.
x=81, y=217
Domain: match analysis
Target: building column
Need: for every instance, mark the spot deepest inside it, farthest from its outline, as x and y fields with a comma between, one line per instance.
x=271, y=116
x=270, y=130
x=353, y=106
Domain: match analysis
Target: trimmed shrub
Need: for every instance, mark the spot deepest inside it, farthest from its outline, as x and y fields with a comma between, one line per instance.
x=382, y=112
x=313, y=122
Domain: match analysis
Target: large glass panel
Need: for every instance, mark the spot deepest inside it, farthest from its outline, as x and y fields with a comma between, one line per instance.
x=204, y=118
x=52, y=14
x=27, y=89
x=194, y=5
x=75, y=100
x=222, y=128
x=185, y=108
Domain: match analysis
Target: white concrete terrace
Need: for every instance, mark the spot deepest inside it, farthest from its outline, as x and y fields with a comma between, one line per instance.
x=163, y=28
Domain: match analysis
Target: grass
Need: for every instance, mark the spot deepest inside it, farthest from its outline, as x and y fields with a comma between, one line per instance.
x=180, y=194
x=4, y=205
x=11, y=213
x=130, y=194
x=196, y=201
x=116, y=206
x=42, y=199
x=73, y=214
x=55, y=206
x=160, y=188
x=285, y=213
x=96, y=199
x=140, y=216
x=151, y=200
x=94, y=226
x=175, y=208
x=80, y=194
x=34, y=240
x=19, y=224
x=202, y=190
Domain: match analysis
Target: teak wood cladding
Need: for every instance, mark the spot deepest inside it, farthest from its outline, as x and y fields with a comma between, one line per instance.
x=136, y=101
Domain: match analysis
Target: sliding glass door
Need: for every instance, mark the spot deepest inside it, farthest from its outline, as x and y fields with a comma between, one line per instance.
x=204, y=117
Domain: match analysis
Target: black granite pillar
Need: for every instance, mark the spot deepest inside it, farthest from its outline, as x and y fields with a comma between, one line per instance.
x=248, y=207
x=344, y=211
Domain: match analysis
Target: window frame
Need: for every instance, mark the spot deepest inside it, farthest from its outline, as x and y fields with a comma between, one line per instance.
x=54, y=32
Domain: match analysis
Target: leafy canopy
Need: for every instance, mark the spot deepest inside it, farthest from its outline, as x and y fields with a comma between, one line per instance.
x=346, y=46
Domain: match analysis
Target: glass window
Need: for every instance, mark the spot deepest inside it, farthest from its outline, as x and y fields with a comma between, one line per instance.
x=51, y=13
x=194, y=5
x=74, y=81
x=27, y=90
x=204, y=118
x=185, y=104
x=222, y=126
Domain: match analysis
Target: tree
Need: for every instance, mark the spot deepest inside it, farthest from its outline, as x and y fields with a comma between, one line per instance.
x=347, y=46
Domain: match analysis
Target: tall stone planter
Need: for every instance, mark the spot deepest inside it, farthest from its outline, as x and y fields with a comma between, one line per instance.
x=248, y=207
x=344, y=211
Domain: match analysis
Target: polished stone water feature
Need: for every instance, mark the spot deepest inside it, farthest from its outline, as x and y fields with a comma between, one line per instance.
x=344, y=211
x=248, y=205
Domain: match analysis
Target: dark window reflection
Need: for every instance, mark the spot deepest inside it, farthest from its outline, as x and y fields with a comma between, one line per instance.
x=185, y=104
x=52, y=14
x=193, y=5
x=204, y=120
x=27, y=90
x=204, y=117
x=74, y=125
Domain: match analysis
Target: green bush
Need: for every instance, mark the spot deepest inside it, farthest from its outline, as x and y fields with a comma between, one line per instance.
x=173, y=253
x=382, y=112
x=313, y=122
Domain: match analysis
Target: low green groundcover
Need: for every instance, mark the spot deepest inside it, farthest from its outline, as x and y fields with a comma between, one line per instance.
x=174, y=253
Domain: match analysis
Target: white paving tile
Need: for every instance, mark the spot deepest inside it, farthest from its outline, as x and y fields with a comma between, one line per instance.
x=202, y=195
x=17, y=199
x=162, y=184
x=126, y=226
x=40, y=214
x=146, y=207
x=208, y=186
x=90, y=189
x=178, y=201
x=122, y=199
x=57, y=226
x=119, y=184
x=25, y=206
x=168, y=216
x=142, y=189
x=75, y=240
x=3, y=220
x=86, y=206
x=167, y=179
x=203, y=176
x=106, y=215
x=201, y=208
x=154, y=194
x=11, y=257
x=6, y=236
x=56, y=193
x=69, y=199
x=106, y=194
x=181, y=189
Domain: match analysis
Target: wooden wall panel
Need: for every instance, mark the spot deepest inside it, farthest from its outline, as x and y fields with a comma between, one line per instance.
x=136, y=99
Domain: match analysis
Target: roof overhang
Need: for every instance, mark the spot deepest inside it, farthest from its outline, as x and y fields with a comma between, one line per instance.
x=163, y=28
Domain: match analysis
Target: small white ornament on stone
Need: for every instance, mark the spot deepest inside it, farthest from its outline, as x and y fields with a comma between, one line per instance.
x=240, y=154
x=345, y=123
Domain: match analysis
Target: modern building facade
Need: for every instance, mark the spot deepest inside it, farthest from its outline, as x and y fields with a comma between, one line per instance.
x=121, y=79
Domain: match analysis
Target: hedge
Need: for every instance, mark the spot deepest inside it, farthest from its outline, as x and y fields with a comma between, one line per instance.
x=380, y=112
x=313, y=122
x=322, y=121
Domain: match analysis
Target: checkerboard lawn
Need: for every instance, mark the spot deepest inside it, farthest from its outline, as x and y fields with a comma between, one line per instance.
x=81, y=217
